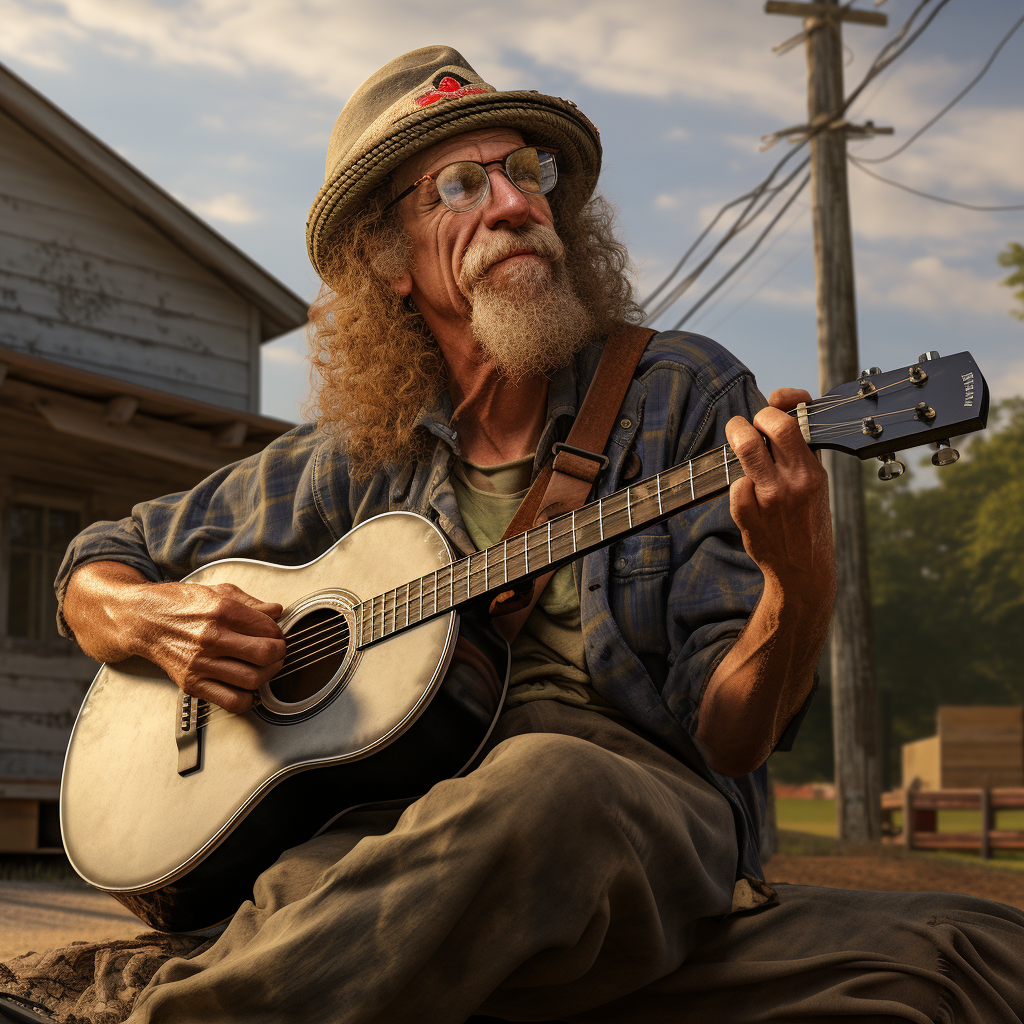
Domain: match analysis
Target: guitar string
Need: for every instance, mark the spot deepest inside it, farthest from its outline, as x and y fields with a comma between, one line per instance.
x=813, y=408
x=293, y=666
x=314, y=638
x=328, y=631
x=340, y=647
x=817, y=430
x=555, y=538
x=475, y=573
x=335, y=646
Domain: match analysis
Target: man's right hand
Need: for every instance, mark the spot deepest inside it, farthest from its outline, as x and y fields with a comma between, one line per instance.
x=215, y=642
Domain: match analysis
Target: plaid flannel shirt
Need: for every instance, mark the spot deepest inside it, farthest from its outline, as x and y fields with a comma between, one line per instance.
x=659, y=609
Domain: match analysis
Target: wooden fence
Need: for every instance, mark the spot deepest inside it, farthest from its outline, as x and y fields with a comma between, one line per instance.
x=920, y=807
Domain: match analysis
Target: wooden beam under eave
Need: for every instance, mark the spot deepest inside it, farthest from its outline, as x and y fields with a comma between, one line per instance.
x=819, y=10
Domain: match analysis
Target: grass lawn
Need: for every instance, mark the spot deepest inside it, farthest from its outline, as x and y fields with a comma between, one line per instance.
x=818, y=817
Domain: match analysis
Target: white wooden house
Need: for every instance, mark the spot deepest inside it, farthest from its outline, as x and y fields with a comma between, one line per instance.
x=130, y=334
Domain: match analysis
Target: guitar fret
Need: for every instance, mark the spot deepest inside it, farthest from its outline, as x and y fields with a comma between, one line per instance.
x=571, y=536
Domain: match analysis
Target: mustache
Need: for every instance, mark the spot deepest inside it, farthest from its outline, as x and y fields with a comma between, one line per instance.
x=480, y=257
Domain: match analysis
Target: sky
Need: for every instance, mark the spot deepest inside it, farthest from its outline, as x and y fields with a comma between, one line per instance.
x=228, y=105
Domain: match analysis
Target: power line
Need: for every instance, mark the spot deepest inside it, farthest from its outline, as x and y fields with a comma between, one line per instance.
x=927, y=195
x=757, y=291
x=743, y=259
x=890, y=52
x=952, y=103
x=745, y=219
x=752, y=266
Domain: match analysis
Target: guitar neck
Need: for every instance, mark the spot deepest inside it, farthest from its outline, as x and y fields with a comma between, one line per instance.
x=544, y=548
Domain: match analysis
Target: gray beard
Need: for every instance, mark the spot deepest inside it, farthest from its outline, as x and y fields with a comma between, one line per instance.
x=527, y=319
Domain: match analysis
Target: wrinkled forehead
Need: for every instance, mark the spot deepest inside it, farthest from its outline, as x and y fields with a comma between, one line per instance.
x=482, y=145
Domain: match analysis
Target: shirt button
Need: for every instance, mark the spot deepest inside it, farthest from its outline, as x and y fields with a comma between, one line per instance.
x=621, y=563
x=625, y=423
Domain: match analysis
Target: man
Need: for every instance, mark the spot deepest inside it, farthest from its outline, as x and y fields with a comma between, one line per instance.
x=601, y=862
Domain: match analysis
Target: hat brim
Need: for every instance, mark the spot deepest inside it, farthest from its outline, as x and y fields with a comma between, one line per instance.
x=544, y=120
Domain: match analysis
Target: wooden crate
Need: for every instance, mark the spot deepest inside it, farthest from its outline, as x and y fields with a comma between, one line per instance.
x=981, y=746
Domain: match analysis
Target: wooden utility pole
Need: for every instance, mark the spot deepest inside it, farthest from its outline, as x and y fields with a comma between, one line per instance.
x=854, y=712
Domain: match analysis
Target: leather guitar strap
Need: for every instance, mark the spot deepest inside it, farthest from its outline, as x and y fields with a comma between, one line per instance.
x=565, y=481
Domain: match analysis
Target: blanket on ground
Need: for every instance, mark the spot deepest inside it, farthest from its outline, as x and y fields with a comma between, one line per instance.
x=94, y=982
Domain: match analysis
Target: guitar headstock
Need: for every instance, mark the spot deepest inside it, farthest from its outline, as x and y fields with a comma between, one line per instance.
x=931, y=400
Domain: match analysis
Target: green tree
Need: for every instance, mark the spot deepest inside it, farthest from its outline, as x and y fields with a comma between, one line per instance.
x=1014, y=257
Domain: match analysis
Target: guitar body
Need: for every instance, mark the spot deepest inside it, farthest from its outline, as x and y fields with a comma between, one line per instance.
x=179, y=830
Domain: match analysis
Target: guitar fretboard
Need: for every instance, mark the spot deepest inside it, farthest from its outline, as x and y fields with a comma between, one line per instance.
x=547, y=547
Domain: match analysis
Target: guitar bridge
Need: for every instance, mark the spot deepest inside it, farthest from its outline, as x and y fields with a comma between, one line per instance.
x=189, y=738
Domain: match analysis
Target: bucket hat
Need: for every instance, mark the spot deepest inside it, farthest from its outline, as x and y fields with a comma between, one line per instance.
x=421, y=98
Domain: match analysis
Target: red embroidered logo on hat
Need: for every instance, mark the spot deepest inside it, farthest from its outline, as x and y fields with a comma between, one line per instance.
x=447, y=87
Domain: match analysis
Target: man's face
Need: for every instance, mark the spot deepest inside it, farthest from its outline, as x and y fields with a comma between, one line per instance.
x=442, y=278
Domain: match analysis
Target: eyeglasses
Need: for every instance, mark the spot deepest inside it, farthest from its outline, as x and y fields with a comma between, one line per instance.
x=464, y=185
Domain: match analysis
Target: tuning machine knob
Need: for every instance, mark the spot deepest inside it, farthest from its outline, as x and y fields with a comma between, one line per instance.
x=945, y=454
x=926, y=356
x=871, y=371
x=891, y=467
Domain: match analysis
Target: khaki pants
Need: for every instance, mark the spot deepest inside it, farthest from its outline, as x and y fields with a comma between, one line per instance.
x=579, y=873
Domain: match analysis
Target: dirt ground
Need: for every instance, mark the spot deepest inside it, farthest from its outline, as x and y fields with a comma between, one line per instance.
x=41, y=914
x=822, y=862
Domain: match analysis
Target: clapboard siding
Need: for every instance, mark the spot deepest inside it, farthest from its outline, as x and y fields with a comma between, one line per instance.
x=86, y=281
x=32, y=172
x=102, y=312
x=48, y=261
x=204, y=377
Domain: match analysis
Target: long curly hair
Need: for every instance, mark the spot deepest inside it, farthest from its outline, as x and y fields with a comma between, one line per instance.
x=375, y=363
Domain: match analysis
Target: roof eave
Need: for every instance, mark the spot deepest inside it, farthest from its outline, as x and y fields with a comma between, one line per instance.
x=280, y=308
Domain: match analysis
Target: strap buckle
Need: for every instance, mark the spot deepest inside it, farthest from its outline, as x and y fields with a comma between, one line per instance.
x=561, y=446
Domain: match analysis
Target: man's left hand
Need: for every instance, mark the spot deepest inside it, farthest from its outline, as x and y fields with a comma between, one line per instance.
x=781, y=504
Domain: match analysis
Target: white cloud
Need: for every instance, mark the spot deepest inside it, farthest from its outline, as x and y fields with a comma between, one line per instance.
x=929, y=285
x=35, y=35
x=1008, y=382
x=229, y=207
x=334, y=44
x=666, y=202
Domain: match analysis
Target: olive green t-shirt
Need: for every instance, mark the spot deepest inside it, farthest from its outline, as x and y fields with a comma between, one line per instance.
x=548, y=661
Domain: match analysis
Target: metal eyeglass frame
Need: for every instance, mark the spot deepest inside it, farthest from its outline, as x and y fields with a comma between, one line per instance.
x=503, y=162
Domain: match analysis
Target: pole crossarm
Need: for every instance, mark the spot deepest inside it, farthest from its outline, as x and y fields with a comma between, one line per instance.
x=802, y=132
x=829, y=12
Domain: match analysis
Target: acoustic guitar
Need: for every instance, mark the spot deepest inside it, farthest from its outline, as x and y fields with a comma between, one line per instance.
x=393, y=676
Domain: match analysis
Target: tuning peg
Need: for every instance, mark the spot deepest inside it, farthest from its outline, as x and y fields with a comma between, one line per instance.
x=891, y=467
x=873, y=370
x=925, y=356
x=944, y=454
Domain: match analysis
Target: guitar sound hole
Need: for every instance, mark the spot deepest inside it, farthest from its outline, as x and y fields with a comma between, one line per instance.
x=317, y=644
